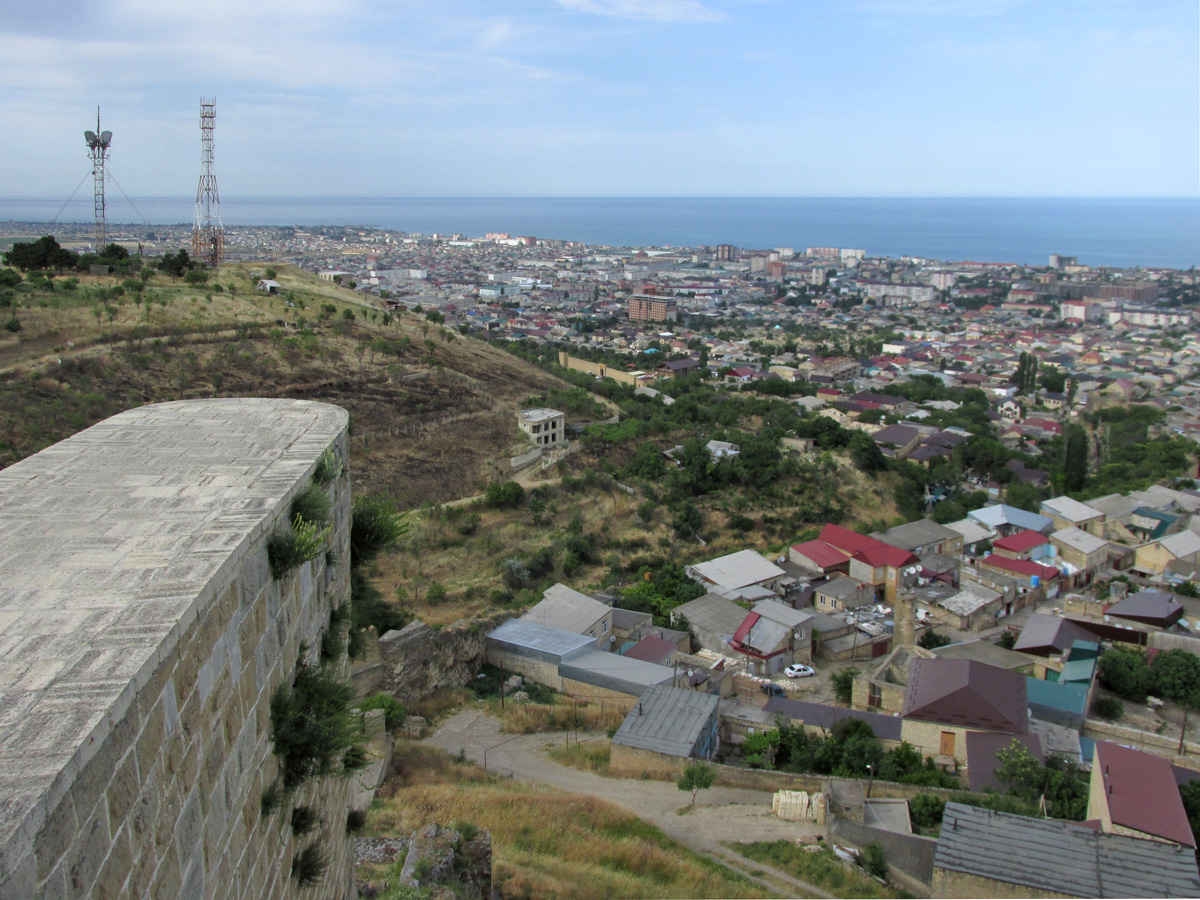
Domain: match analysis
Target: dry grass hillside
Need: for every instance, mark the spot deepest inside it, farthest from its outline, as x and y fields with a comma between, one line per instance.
x=431, y=410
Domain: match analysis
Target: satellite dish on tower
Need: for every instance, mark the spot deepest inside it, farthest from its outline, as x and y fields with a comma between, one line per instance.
x=106, y=138
x=90, y=136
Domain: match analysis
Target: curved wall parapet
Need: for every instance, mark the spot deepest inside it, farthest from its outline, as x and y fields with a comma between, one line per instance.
x=141, y=639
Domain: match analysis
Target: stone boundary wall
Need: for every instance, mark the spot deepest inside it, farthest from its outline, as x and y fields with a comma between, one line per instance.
x=164, y=798
x=419, y=659
x=601, y=370
x=1144, y=740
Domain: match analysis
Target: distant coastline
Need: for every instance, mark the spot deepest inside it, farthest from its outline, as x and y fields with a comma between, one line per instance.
x=1119, y=232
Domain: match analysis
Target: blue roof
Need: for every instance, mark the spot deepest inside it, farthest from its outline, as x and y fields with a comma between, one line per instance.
x=1056, y=695
x=1001, y=514
x=538, y=641
x=1078, y=671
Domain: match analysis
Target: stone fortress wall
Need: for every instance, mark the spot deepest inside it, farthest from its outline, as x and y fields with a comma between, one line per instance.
x=141, y=639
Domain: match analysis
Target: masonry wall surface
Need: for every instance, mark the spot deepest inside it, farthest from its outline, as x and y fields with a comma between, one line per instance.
x=141, y=639
x=418, y=659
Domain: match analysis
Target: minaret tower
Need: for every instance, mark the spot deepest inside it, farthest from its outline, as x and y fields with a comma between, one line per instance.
x=208, y=234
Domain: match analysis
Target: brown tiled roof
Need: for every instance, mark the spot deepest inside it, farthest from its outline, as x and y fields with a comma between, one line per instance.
x=1141, y=793
x=967, y=694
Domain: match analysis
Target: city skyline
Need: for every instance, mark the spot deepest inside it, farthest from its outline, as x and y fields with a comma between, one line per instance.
x=992, y=98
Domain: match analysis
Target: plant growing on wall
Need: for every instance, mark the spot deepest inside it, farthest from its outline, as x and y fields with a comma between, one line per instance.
x=313, y=727
x=304, y=819
x=312, y=505
x=309, y=865
x=329, y=468
x=288, y=549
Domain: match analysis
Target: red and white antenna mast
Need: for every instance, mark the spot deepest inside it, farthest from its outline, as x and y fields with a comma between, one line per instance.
x=208, y=234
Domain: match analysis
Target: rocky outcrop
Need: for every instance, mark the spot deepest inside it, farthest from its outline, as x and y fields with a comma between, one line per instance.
x=452, y=863
x=419, y=659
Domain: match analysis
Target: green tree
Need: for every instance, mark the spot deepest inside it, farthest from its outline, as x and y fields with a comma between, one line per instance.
x=687, y=519
x=44, y=253
x=874, y=860
x=843, y=684
x=1020, y=771
x=926, y=810
x=1075, y=458
x=647, y=463
x=696, y=777
x=503, y=495
x=1175, y=675
x=1190, y=794
x=1123, y=671
x=931, y=640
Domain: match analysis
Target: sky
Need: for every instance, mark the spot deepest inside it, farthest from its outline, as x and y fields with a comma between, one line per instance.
x=742, y=98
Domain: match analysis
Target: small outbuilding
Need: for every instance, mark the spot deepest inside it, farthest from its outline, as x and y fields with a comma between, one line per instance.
x=667, y=726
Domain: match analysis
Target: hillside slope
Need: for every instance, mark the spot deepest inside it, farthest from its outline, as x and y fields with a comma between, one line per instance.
x=431, y=410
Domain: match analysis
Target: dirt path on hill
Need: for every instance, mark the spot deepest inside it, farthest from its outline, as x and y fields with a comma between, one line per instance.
x=721, y=814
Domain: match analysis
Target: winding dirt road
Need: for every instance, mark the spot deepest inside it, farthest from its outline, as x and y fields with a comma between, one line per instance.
x=721, y=814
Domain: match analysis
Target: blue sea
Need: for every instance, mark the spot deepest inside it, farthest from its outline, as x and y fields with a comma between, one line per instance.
x=1100, y=232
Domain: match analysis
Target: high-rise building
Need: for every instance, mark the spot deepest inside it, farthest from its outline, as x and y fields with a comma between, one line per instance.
x=650, y=308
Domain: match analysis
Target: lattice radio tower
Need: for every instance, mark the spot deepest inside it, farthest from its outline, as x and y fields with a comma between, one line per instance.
x=98, y=143
x=208, y=234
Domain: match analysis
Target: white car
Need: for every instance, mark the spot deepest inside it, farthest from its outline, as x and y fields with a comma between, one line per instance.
x=798, y=671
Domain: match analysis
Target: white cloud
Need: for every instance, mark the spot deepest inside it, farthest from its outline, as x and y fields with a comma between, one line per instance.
x=690, y=11
x=940, y=7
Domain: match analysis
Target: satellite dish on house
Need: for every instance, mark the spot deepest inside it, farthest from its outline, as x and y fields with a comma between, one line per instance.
x=612, y=638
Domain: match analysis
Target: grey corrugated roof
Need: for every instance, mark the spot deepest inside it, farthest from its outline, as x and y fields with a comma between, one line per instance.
x=628, y=619
x=538, y=641
x=1049, y=855
x=713, y=613
x=782, y=613
x=739, y=569
x=567, y=609
x=912, y=535
x=984, y=652
x=667, y=720
x=1071, y=510
x=765, y=636
x=615, y=672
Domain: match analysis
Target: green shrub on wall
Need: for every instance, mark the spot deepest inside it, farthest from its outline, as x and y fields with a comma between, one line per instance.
x=288, y=549
x=313, y=728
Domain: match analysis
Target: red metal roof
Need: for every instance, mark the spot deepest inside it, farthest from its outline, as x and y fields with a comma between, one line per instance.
x=866, y=549
x=1141, y=793
x=1026, y=567
x=744, y=628
x=1021, y=541
x=849, y=541
x=821, y=553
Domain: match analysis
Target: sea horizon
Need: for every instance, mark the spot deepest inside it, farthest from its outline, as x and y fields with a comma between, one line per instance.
x=1123, y=232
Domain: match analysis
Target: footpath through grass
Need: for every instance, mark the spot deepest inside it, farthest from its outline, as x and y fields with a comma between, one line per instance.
x=817, y=866
x=547, y=843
